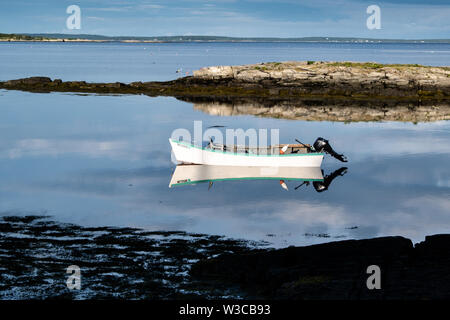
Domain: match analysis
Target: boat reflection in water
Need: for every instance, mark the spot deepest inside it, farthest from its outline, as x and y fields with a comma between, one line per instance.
x=188, y=174
x=323, y=185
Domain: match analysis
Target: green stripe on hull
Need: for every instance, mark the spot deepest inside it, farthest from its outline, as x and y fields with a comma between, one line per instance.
x=248, y=178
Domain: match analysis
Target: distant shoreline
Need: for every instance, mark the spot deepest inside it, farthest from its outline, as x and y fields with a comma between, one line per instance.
x=81, y=40
x=223, y=41
x=60, y=37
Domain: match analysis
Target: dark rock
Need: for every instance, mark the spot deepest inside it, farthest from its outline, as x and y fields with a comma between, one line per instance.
x=435, y=245
x=29, y=81
x=115, y=85
x=76, y=83
x=36, y=80
x=338, y=270
x=137, y=84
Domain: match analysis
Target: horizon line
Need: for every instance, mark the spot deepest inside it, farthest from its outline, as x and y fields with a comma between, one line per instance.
x=225, y=37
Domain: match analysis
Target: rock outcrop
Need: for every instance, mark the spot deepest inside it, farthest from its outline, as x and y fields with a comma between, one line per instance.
x=279, y=81
x=338, y=270
x=395, y=74
x=337, y=78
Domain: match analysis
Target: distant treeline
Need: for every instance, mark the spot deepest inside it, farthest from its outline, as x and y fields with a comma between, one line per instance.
x=13, y=36
x=48, y=36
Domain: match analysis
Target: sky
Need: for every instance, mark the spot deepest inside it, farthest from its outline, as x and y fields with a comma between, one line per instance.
x=403, y=19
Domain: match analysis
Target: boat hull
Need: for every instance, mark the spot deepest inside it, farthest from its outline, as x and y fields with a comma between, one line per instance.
x=189, y=153
x=193, y=174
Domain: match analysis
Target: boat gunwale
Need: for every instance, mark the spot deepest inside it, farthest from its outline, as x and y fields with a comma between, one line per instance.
x=247, y=154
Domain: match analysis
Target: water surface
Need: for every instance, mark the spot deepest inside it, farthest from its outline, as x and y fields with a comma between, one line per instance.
x=100, y=160
x=127, y=62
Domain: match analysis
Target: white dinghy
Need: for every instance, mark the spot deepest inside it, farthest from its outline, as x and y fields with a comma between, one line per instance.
x=283, y=155
x=221, y=155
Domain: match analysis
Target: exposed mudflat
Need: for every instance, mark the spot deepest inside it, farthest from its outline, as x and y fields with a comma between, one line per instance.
x=121, y=263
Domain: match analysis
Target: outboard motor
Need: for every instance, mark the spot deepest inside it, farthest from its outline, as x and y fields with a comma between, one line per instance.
x=322, y=145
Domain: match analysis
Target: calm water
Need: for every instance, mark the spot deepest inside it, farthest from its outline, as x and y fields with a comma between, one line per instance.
x=144, y=62
x=105, y=160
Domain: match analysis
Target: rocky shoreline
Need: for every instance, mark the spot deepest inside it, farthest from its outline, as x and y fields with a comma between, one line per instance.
x=131, y=263
x=277, y=81
x=338, y=270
